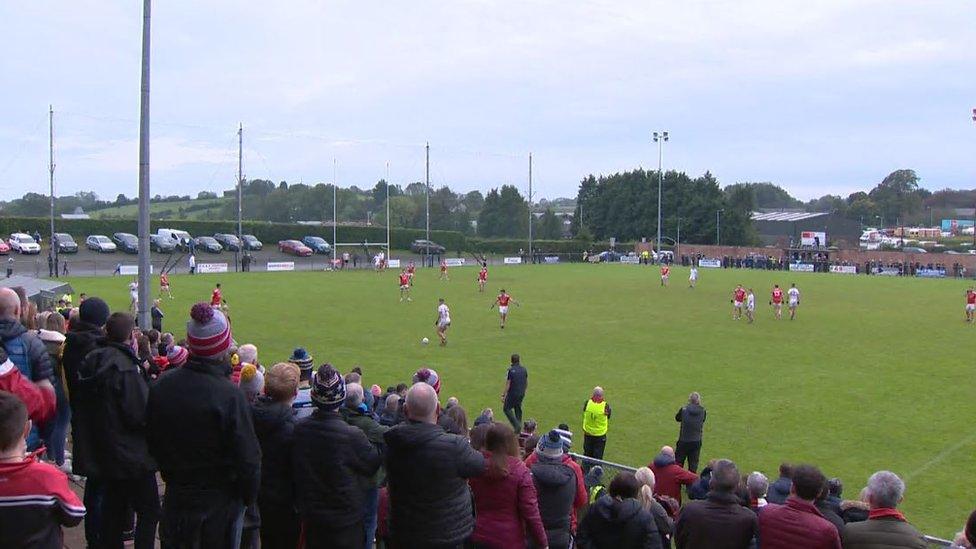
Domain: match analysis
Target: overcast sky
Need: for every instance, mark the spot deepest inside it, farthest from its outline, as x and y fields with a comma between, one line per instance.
x=818, y=97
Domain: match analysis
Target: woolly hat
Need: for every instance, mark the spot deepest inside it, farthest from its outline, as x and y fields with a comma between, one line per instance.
x=551, y=444
x=252, y=381
x=328, y=389
x=207, y=331
x=94, y=311
x=177, y=355
x=376, y=390
x=428, y=376
x=301, y=358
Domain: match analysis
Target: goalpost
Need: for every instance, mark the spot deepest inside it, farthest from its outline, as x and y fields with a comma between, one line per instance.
x=335, y=220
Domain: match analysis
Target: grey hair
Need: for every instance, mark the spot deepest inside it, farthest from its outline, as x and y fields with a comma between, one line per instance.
x=354, y=395
x=694, y=398
x=248, y=354
x=598, y=391
x=885, y=489
x=392, y=404
x=757, y=484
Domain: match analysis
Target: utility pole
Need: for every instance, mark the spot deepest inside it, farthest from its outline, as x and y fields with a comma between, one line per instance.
x=53, y=248
x=427, y=195
x=718, y=227
x=388, y=243
x=530, y=206
x=335, y=209
x=144, y=264
x=240, y=192
x=677, y=243
x=660, y=138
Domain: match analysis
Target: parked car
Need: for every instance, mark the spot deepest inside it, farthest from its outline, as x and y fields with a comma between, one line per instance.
x=422, y=246
x=180, y=238
x=127, y=242
x=161, y=244
x=317, y=244
x=252, y=243
x=65, y=243
x=207, y=244
x=100, y=243
x=229, y=241
x=4, y=247
x=24, y=243
x=913, y=250
x=294, y=247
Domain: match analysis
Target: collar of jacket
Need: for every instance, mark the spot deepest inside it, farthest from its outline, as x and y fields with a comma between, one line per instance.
x=219, y=368
x=10, y=467
x=803, y=505
x=125, y=349
x=726, y=498
x=81, y=326
x=886, y=512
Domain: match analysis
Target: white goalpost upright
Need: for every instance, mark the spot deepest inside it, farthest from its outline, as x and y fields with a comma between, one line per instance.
x=385, y=246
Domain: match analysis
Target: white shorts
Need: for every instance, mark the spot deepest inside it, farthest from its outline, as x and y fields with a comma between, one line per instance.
x=665, y=277
x=444, y=324
x=970, y=307
x=135, y=297
x=737, y=304
x=793, y=303
x=503, y=309
x=404, y=286
x=693, y=278
x=751, y=308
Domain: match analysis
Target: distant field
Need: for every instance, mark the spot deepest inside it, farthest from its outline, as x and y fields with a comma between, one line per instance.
x=169, y=210
x=875, y=373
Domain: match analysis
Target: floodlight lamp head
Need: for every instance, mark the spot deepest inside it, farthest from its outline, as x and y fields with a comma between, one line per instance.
x=665, y=136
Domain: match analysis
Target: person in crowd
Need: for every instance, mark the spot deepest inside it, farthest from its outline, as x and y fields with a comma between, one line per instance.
x=39, y=402
x=618, y=521
x=37, y=499
x=332, y=462
x=166, y=342
x=559, y=488
x=156, y=313
x=528, y=432
x=455, y=420
x=252, y=382
x=596, y=423
x=822, y=504
x=202, y=436
x=758, y=485
x=565, y=439
x=516, y=384
x=427, y=468
x=967, y=538
x=886, y=525
x=177, y=356
x=719, y=522
x=699, y=490
x=248, y=354
x=111, y=378
x=798, y=524
x=356, y=414
x=692, y=419
x=670, y=476
x=487, y=416
x=390, y=415
x=662, y=516
x=779, y=490
x=505, y=500
x=274, y=426
x=593, y=482
x=301, y=358
x=835, y=489
x=855, y=510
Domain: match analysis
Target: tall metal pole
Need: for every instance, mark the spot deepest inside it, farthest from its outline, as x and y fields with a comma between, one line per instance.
x=530, y=207
x=144, y=264
x=660, y=139
x=388, y=243
x=718, y=227
x=677, y=244
x=53, y=248
x=335, y=209
x=427, y=193
x=240, y=192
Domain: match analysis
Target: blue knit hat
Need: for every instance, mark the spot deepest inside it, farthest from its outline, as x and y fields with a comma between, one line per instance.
x=328, y=389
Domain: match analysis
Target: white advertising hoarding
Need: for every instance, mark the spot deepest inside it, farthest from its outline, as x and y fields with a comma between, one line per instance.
x=281, y=265
x=127, y=270
x=454, y=261
x=813, y=239
x=211, y=267
x=710, y=263
x=513, y=260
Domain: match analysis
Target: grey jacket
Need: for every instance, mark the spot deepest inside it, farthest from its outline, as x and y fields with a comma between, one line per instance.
x=882, y=533
x=692, y=418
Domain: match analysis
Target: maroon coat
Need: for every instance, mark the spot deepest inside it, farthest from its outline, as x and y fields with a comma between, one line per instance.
x=506, y=507
x=796, y=525
x=669, y=476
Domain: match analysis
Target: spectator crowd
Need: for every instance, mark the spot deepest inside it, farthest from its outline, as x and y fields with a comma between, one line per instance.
x=292, y=455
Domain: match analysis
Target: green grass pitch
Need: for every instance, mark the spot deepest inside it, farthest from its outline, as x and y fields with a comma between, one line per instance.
x=875, y=373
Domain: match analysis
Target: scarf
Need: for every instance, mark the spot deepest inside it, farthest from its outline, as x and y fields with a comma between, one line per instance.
x=885, y=512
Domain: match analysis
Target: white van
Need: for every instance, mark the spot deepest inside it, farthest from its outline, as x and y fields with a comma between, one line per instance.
x=180, y=238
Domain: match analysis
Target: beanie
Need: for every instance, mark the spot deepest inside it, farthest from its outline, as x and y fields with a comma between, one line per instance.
x=428, y=376
x=207, y=331
x=376, y=390
x=252, y=381
x=94, y=311
x=328, y=389
x=177, y=355
x=301, y=358
x=551, y=444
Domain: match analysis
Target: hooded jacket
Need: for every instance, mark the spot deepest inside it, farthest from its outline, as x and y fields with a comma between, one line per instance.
x=374, y=433
x=670, y=476
x=40, y=362
x=692, y=418
x=274, y=425
x=507, y=508
x=77, y=344
x=613, y=523
x=796, y=524
x=427, y=468
x=555, y=486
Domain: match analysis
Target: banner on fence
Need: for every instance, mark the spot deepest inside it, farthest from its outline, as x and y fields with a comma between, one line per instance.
x=630, y=259
x=281, y=265
x=930, y=273
x=886, y=271
x=513, y=260
x=127, y=270
x=211, y=267
x=551, y=259
x=393, y=263
x=710, y=263
x=454, y=262
x=801, y=267
x=843, y=269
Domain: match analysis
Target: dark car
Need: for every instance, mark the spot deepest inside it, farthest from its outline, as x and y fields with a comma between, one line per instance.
x=161, y=244
x=127, y=242
x=207, y=244
x=229, y=241
x=317, y=244
x=252, y=243
x=422, y=246
x=65, y=243
x=294, y=247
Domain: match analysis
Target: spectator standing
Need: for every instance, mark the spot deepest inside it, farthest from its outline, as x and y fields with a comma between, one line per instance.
x=669, y=475
x=835, y=489
x=192, y=261
x=274, y=426
x=157, y=316
x=823, y=505
x=662, y=516
x=505, y=500
x=557, y=486
x=51, y=333
x=111, y=378
x=780, y=489
x=390, y=415
x=331, y=464
x=515, y=387
x=356, y=414
x=886, y=526
x=40, y=403
x=798, y=524
x=618, y=521
x=596, y=423
x=427, y=468
x=202, y=436
x=718, y=522
x=692, y=419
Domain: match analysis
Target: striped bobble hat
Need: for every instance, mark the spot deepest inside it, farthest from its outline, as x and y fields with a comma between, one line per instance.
x=207, y=331
x=328, y=389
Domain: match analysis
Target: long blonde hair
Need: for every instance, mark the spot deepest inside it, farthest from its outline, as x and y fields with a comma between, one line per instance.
x=646, y=494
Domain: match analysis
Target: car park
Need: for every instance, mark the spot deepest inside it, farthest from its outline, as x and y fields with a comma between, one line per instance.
x=24, y=244
x=161, y=244
x=294, y=247
x=127, y=242
x=426, y=247
x=180, y=238
x=65, y=243
x=100, y=243
x=229, y=241
x=317, y=244
x=252, y=243
x=207, y=244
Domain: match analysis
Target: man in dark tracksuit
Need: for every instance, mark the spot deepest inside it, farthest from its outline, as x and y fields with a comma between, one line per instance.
x=692, y=419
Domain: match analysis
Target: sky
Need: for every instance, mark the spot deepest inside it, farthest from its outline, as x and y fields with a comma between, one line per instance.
x=817, y=97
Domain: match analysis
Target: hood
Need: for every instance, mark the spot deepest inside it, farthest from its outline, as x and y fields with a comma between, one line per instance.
x=617, y=511
x=10, y=328
x=50, y=336
x=853, y=504
x=663, y=460
x=552, y=472
x=694, y=411
x=412, y=434
x=269, y=415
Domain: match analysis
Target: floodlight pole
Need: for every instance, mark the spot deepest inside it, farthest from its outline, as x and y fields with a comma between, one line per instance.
x=659, y=138
x=335, y=209
x=388, y=244
x=53, y=248
x=427, y=198
x=240, y=193
x=718, y=227
x=530, y=207
x=144, y=264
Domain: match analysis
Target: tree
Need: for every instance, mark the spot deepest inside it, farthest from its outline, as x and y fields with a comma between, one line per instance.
x=898, y=196
x=550, y=226
x=767, y=195
x=206, y=195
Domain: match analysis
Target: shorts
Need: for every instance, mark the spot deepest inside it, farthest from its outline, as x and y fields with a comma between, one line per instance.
x=970, y=307
x=404, y=286
x=503, y=309
x=751, y=308
x=444, y=324
x=793, y=303
x=164, y=287
x=665, y=277
x=737, y=304
x=777, y=304
x=692, y=278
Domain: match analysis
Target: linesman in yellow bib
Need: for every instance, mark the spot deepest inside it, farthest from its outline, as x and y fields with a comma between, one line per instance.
x=596, y=422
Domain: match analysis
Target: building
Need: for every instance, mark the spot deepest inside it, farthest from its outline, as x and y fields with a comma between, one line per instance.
x=781, y=228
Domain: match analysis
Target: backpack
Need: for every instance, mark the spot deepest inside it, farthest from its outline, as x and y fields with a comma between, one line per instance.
x=17, y=353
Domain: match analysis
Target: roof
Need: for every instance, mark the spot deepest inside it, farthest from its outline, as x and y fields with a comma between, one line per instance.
x=37, y=286
x=786, y=216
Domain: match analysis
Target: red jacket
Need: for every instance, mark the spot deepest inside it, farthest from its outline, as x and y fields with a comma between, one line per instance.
x=797, y=524
x=40, y=402
x=581, y=495
x=669, y=476
x=506, y=507
x=36, y=501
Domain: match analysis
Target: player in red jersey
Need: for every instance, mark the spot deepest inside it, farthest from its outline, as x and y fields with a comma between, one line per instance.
x=217, y=300
x=776, y=300
x=970, y=304
x=502, y=301
x=482, y=278
x=405, y=286
x=665, y=274
x=738, y=297
x=444, y=270
x=164, y=285
x=411, y=271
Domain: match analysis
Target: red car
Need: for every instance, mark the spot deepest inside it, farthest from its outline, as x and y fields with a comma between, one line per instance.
x=294, y=247
x=4, y=247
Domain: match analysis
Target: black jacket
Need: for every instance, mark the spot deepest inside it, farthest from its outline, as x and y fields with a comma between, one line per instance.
x=274, y=425
x=111, y=381
x=555, y=484
x=330, y=458
x=40, y=360
x=618, y=524
x=200, y=430
x=779, y=490
x=718, y=522
x=692, y=418
x=77, y=344
x=427, y=468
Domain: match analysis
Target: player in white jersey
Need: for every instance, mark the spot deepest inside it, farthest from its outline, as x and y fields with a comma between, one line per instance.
x=751, y=306
x=443, y=321
x=133, y=296
x=693, y=277
x=793, y=294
